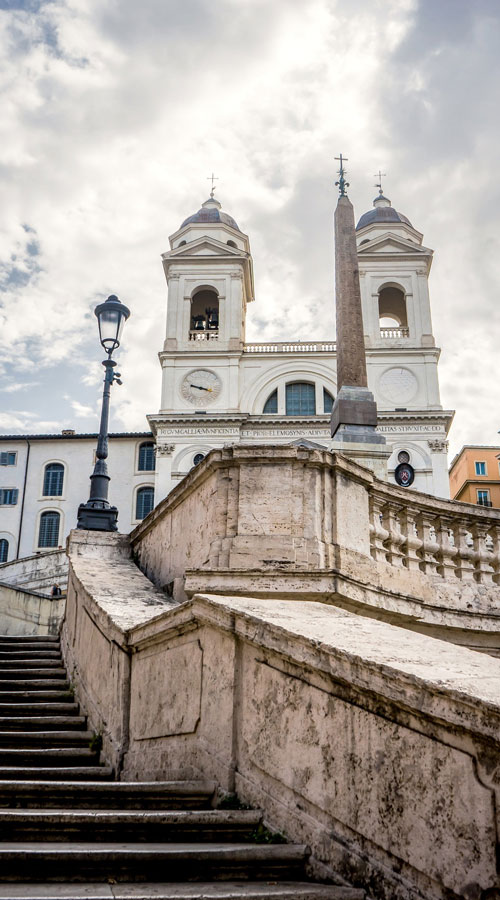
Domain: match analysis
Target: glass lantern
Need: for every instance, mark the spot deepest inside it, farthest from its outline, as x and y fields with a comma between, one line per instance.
x=111, y=316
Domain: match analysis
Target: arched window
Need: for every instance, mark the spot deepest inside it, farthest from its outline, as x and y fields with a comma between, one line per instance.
x=181, y=243
x=4, y=550
x=327, y=401
x=300, y=399
x=53, y=480
x=147, y=457
x=232, y=244
x=48, y=534
x=392, y=311
x=144, y=502
x=204, y=314
x=271, y=404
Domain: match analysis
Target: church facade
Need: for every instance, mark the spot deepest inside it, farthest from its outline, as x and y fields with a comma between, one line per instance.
x=219, y=389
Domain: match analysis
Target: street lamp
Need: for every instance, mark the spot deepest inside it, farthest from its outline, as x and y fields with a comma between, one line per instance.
x=96, y=514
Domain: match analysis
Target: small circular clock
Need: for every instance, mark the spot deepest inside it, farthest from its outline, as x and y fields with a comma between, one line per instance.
x=201, y=387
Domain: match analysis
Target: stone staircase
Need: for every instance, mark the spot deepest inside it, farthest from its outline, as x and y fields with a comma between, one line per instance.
x=67, y=830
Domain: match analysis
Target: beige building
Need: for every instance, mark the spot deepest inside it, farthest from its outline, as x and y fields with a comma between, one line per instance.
x=475, y=475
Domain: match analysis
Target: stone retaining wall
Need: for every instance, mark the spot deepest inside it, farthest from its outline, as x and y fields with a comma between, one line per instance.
x=375, y=745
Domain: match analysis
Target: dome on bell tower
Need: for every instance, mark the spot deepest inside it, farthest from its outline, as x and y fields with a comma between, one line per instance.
x=382, y=213
x=210, y=213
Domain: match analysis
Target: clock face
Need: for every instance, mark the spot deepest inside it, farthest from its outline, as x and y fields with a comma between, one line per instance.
x=398, y=385
x=201, y=387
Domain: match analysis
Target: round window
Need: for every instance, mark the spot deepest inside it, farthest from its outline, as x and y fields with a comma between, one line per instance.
x=197, y=458
x=403, y=456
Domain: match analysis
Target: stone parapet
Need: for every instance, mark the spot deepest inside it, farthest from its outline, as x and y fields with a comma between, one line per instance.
x=375, y=746
x=291, y=521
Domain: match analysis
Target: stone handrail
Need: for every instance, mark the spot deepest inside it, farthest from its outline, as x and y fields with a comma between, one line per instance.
x=292, y=347
x=451, y=540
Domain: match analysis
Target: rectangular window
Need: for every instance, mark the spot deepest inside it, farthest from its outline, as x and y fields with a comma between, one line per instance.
x=8, y=496
x=480, y=468
x=8, y=458
x=483, y=498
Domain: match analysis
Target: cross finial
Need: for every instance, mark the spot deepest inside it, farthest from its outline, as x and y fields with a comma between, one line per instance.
x=342, y=184
x=380, y=175
x=212, y=178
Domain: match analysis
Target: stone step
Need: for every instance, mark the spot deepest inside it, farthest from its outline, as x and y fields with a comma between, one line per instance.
x=48, y=722
x=26, y=648
x=54, y=661
x=37, y=706
x=30, y=639
x=32, y=684
x=129, y=825
x=49, y=756
x=18, y=740
x=35, y=671
x=222, y=890
x=94, y=794
x=22, y=700
x=52, y=773
x=54, y=861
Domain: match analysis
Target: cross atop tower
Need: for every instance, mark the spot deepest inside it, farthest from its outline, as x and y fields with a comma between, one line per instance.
x=212, y=178
x=342, y=184
x=378, y=184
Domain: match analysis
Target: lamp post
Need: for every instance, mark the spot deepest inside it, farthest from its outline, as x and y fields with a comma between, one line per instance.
x=97, y=514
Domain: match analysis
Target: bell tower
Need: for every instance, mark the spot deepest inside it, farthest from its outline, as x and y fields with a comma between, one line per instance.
x=394, y=268
x=210, y=281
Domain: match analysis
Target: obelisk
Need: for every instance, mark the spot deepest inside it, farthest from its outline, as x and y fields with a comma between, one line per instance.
x=354, y=414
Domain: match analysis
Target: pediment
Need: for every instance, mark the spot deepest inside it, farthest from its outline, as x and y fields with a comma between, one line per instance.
x=390, y=243
x=204, y=246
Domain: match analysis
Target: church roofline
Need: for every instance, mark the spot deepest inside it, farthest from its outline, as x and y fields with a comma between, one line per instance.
x=73, y=437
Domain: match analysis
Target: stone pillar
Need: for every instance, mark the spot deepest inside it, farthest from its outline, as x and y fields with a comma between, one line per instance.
x=354, y=414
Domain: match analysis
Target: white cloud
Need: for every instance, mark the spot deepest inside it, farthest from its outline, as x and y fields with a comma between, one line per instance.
x=115, y=114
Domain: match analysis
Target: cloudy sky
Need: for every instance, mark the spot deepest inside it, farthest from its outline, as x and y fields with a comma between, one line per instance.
x=114, y=113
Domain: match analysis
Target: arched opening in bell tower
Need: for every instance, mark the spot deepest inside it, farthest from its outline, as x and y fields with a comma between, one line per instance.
x=204, y=323
x=392, y=312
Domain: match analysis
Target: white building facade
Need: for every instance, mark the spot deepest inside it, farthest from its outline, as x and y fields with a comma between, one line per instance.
x=218, y=389
x=44, y=478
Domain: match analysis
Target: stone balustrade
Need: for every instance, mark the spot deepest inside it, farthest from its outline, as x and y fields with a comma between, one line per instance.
x=398, y=332
x=290, y=521
x=295, y=347
x=210, y=335
x=447, y=539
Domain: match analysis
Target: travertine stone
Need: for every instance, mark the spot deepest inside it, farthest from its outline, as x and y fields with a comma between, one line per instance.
x=363, y=740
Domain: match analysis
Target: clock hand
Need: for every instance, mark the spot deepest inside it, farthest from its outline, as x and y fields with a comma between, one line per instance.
x=199, y=388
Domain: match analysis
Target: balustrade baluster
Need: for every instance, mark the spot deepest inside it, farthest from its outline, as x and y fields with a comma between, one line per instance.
x=429, y=546
x=483, y=558
x=494, y=533
x=465, y=552
x=378, y=533
x=395, y=538
x=447, y=551
x=412, y=542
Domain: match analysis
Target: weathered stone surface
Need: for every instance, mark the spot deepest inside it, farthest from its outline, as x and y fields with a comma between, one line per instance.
x=26, y=612
x=166, y=690
x=376, y=746
x=277, y=513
